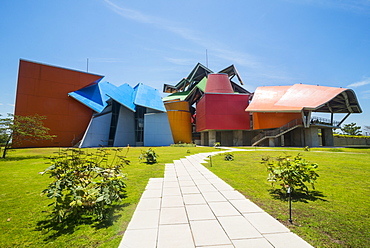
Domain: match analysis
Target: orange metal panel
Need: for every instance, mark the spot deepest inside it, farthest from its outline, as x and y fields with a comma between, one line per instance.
x=273, y=120
x=43, y=89
x=179, y=117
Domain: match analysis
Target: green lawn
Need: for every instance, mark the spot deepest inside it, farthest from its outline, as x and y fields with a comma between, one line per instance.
x=336, y=214
x=23, y=212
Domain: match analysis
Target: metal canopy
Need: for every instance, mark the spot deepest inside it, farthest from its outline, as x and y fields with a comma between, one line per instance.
x=301, y=97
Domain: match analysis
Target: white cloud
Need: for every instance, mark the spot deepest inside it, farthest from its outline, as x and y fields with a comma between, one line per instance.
x=366, y=94
x=105, y=60
x=357, y=6
x=178, y=61
x=358, y=84
x=194, y=36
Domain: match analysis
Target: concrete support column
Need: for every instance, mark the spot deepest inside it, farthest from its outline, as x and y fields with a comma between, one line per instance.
x=237, y=138
x=211, y=137
x=311, y=137
x=282, y=140
x=327, y=137
x=202, y=139
x=271, y=142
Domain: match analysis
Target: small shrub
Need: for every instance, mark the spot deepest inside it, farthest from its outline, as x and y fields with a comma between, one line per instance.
x=216, y=144
x=180, y=144
x=149, y=155
x=306, y=149
x=292, y=172
x=229, y=156
x=85, y=183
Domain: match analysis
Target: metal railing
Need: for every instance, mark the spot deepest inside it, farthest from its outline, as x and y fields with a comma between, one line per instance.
x=319, y=120
x=277, y=131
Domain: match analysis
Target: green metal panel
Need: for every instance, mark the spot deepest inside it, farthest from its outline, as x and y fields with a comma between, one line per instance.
x=202, y=84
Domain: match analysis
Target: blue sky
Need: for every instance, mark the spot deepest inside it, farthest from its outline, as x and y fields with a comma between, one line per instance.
x=271, y=42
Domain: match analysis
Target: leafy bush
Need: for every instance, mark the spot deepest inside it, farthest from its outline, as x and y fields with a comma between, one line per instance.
x=180, y=144
x=149, y=155
x=229, y=156
x=292, y=172
x=85, y=183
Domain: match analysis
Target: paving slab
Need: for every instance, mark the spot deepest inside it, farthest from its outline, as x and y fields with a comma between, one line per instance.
x=192, y=207
x=253, y=243
x=176, y=215
x=144, y=220
x=131, y=240
x=265, y=223
x=237, y=227
x=246, y=206
x=152, y=193
x=200, y=212
x=172, y=201
x=193, y=199
x=223, y=209
x=149, y=204
x=213, y=196
x=208, y=232
x=171, y=236
x=286, y=240
x=190, y=190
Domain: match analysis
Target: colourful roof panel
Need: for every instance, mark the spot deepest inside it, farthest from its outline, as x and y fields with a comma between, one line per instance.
x=176, y=96
x=148, y=97
x=91, y=96
x=124, y=95
x=299, y=97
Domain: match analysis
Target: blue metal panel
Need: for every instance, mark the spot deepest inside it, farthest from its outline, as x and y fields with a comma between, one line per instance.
x=157, y=131
x=148, y=97
x=124, y=95
x=96, y=95
x=97, y=133
x=88, y=102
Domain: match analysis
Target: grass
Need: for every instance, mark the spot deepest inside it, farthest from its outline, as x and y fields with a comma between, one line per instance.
x=24, y=213
x=335, y=214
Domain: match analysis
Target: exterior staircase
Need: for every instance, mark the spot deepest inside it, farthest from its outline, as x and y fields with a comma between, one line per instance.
x=274, y=133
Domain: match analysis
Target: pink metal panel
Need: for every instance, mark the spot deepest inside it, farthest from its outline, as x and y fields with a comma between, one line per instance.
x=291, y=98
x=218, y=83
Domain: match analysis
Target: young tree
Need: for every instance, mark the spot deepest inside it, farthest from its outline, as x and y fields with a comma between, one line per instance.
x=351, y=129
x=15, y=129
x=367, y=130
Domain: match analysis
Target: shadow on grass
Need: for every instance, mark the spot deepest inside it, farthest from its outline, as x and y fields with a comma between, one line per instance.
x=53, y=229
x=298, y=196
x=19, y=158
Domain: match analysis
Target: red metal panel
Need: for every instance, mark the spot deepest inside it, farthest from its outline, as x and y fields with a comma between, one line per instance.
x=218, y=83
x=43, y=90
x=223, y=112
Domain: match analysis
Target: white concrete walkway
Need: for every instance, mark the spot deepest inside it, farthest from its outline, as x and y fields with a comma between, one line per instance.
x=192, y=207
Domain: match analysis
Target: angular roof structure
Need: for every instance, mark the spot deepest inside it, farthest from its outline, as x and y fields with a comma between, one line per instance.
x=97, y=95
x=194, y=86
x=149, y=97
x=300, y=97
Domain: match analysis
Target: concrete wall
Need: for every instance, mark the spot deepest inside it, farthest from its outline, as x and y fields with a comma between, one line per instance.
x=157, y=131
x=125, y=132
x=97, y=133
x=347, y=141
